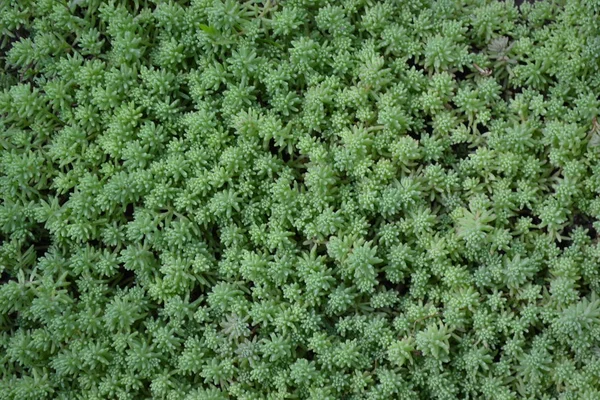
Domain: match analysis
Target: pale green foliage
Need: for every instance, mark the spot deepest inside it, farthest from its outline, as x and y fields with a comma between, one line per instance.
x=301, y=199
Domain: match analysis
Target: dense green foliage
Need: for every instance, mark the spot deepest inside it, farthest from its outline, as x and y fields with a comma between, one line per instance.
x=303, y=199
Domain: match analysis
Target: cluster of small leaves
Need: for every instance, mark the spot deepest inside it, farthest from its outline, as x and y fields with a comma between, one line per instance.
x=301, y=199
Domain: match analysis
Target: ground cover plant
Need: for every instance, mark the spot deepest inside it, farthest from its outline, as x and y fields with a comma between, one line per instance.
x=304, y=199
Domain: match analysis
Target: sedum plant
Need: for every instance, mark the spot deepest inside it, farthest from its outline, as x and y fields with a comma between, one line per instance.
x=300, y=199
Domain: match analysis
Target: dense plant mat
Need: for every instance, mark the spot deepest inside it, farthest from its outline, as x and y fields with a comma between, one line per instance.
x=302, y=199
